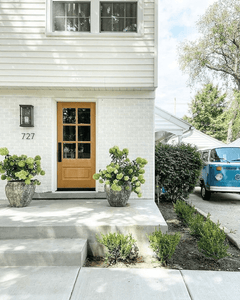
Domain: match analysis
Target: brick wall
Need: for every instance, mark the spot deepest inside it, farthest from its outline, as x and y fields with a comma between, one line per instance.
x=127, y=123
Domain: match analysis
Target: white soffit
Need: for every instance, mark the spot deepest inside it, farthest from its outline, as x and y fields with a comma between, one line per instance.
x=164, y=121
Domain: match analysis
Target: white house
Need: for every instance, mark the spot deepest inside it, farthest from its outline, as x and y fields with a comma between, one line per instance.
x=88, y=70
x=198, y=139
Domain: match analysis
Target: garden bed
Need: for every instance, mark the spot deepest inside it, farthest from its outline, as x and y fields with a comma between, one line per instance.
x=186, y=256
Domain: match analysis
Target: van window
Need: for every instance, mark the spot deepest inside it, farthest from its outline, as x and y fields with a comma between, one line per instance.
x=205, y=156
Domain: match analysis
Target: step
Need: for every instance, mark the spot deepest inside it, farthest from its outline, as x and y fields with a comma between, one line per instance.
x=43, y=252
x=69, y=195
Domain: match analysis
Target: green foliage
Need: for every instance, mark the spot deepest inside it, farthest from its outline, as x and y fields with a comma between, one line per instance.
x=164, y=245
x=196, y=225
x=178, y=169
x=208, y=112
x=212, y=242
x=184, y=211
x=122, y=172
x=216, y=52
x=120, y=247
x=21, y=168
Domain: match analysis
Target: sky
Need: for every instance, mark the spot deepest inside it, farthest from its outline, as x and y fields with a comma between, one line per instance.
x=176, y=22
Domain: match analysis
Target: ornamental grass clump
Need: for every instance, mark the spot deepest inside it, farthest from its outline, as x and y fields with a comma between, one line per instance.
x=122, y=173
x=20, y=168
x=164, y=245
x=120, y=247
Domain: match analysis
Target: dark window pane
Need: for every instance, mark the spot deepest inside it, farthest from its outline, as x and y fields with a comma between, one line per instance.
x=59, y=24
x=84, y=25
x=59, y=9
x=69, y=133
x=131, y=10
x=69, y=115
x=131, y=25
x=84, y=10
x=72, y=24
x=69, y=151
x=106, y=9
x=84, y=116
x=118, y=24
x=118, y=9
x=84, y=133
x=106, y=24
x=72, y=9
x=84, y=151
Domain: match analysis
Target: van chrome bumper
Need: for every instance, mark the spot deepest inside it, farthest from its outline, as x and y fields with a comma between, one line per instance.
x=227, y=189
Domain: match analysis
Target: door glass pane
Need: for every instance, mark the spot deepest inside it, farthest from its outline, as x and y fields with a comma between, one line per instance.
x=69, y=151
x=106, y=24
x=118, y=24
x=69, y=133
x=69, y=115
x=84, y=116
x=84, y=133
x=84, y=151
x=106, y=9
x=72, y=24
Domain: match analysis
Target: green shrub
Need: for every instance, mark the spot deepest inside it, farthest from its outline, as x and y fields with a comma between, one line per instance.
x=120, y=247
x=212, y=242
x=178, y=169
x=164, y=245
x=196, y=225
x=184, y=211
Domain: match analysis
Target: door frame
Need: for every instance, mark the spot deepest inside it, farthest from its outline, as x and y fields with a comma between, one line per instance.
x=55, y=156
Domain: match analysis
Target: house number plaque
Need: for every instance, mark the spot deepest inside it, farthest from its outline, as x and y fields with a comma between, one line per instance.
x=28, y=136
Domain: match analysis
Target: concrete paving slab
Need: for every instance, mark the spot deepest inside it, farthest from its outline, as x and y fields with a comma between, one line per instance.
x=129, y=284
x=37, y=283
x=82, y=219
x=223, y=207
x=210, y=285
x=43, y=252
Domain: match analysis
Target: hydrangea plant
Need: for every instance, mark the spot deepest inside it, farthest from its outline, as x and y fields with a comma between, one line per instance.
x=122, y=173
x=20, y=168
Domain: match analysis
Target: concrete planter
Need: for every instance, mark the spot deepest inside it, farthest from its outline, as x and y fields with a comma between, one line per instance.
x=19, y=193
x=117, y=199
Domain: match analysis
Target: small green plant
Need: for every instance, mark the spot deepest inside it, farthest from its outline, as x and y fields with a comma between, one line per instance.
x=164, y=245
x=196, y=225
x=212, y=242
x=120, y=247
x=20, y=168
x=122, y=173
x=184, y=211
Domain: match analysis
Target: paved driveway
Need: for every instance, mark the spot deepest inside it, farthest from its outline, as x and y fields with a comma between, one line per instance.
x=224, y=208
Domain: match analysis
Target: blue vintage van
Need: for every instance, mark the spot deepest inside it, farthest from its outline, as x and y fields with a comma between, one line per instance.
x=221, y=171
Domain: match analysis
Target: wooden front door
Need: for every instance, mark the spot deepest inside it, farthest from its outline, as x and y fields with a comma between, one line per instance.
x=76, y=145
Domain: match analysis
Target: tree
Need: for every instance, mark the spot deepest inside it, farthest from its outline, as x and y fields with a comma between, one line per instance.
x=234, y=118
x=217, y=52
x=208, y=112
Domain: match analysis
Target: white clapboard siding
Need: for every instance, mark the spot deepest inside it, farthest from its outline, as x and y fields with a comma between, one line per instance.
x=30, y=58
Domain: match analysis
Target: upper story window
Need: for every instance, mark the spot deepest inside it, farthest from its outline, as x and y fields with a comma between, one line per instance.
x=71, y=16
x=118, y=16
x=94, y=17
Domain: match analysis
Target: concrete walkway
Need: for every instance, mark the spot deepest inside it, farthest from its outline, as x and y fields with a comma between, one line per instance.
x=223, y=207
x=73, y=283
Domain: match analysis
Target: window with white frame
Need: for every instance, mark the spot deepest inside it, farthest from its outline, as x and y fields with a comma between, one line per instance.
x=71, y=16
x=118, y=16
x=81, y=17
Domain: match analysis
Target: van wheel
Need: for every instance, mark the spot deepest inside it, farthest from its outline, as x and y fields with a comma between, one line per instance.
x=206, y=195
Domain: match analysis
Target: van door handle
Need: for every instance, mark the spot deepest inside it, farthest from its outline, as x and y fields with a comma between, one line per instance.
x=59, y=152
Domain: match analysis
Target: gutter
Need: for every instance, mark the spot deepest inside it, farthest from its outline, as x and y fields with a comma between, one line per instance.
x=187, y=133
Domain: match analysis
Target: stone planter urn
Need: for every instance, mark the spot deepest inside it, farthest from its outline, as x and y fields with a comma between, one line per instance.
x=19, y=194
x=117, y=199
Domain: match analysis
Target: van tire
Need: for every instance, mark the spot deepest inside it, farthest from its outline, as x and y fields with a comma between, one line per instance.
x=206, y=195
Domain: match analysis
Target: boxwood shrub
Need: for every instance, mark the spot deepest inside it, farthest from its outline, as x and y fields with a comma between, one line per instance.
x=178, y=168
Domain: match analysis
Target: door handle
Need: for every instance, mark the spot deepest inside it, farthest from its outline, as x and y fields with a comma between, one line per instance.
x=59, y=152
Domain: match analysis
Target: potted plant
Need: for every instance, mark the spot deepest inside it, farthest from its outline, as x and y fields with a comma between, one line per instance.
x=122, y=176
x=19, y=171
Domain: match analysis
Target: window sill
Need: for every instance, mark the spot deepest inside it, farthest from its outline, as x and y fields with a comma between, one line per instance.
x=94, y=35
